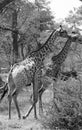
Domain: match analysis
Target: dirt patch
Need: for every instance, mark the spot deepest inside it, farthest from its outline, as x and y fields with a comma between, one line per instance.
x=15, y=124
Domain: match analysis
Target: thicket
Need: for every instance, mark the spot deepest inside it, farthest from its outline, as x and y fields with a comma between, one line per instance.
x=65, y=111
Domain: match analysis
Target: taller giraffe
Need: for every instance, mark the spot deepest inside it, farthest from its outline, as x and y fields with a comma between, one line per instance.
x=39, y=56
x=29, y=71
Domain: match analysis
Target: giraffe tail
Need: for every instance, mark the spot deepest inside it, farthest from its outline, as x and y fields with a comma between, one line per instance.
x=4, y=90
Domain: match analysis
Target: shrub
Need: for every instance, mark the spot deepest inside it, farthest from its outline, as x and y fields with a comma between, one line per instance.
x=65, y=113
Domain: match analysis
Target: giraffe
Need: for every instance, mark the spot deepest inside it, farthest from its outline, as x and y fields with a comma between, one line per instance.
x=60, y=58
x=31, y=68
x=39, y=56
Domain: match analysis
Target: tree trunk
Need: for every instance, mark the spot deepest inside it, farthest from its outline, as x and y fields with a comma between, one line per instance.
x=22, y=53
x=14, y=36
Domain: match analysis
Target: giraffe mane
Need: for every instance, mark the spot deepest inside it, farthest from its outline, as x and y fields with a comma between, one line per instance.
x=44, y=43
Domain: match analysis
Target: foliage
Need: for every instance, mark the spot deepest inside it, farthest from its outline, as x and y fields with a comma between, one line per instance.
x=32, y=18
x=75, y=19
x=65, y=113
x=5, y=47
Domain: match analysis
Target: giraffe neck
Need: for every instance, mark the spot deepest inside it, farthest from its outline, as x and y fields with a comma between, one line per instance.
x=46, y=49
x=60, y=58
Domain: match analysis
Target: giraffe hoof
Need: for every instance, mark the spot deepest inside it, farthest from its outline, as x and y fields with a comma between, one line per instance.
x=24, y=117
x=35, y=118
x=20, y=118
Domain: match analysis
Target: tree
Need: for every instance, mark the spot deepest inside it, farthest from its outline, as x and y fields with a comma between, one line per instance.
x=9, y=19
x=44, y=13
x=39, y=21
x=74, y=19
x=25, y=21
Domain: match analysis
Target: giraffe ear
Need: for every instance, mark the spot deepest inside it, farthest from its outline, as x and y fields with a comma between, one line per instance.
x=64, y=33
x=73, y=32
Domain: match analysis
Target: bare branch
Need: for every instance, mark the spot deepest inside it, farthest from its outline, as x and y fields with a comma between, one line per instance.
x=9, y=29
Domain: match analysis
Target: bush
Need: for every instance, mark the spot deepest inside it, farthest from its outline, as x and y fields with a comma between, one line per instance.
x=65, y=113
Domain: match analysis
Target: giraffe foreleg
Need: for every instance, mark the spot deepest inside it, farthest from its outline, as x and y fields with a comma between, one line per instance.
x=40, y=104
x=35, y=95
x=40, y=91
x=33, y=106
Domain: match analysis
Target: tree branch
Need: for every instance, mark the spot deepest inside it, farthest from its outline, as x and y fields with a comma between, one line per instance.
x=12, y=30
x=4, y=3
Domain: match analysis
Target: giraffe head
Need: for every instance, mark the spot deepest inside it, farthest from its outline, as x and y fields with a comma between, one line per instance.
x=62, y=32
x=75, y=37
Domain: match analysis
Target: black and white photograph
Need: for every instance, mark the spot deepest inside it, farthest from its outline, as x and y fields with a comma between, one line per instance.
x=40, y=64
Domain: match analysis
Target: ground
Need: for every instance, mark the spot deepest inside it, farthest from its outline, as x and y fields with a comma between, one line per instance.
x=28, y=124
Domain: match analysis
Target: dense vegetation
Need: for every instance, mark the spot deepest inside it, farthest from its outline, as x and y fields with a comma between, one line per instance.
x=21, y=25
x=24, y=27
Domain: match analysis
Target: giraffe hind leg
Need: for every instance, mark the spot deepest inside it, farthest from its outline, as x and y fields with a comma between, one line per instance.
x=16, y=104
x=40, y=91
x=10, y=100
x=14, y=95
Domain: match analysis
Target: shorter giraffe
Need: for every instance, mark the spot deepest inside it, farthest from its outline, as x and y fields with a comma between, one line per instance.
x=60, y=58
